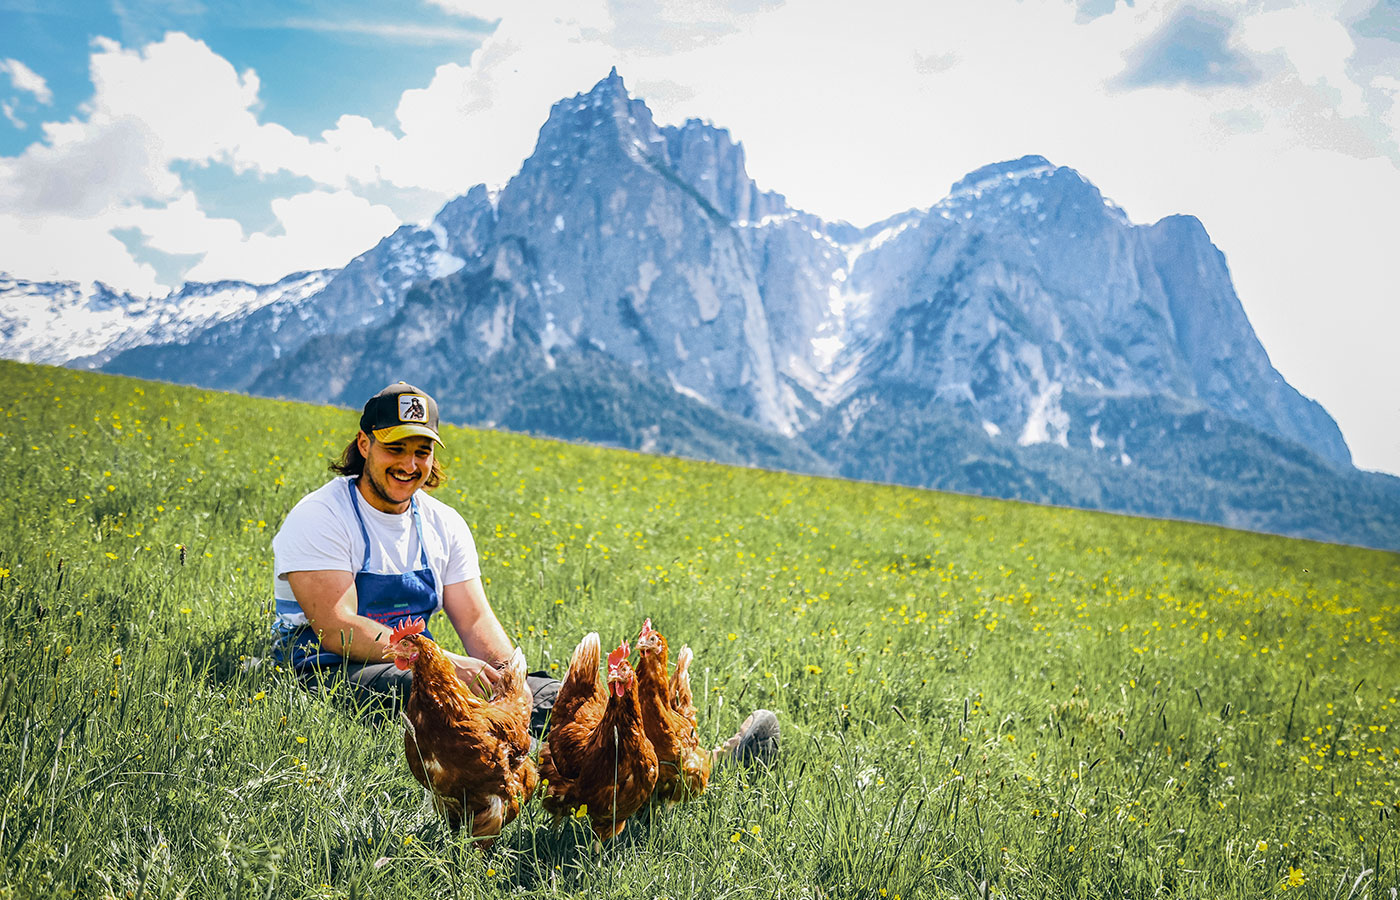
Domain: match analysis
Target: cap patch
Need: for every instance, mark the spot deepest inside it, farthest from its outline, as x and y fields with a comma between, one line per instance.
x=400, y=411
x=413, y=408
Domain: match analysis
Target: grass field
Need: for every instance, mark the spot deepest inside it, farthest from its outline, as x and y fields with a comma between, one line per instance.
x=978, y=698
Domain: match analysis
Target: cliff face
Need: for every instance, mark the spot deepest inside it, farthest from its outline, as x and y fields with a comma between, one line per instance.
x=1230, y=370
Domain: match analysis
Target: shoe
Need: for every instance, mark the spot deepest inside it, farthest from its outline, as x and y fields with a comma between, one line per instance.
x=756, y=742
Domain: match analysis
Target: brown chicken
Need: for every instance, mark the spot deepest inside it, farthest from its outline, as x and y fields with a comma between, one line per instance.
x=472, y=754
x=597, y=758
x=668, y=716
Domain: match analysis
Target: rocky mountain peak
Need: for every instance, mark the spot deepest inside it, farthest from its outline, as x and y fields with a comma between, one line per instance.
x=588, y=128
x=708, y=159
x=1049, y=197
x=1231, y=369
x=467, y=223
x=1185, y=230
x=1002, y=174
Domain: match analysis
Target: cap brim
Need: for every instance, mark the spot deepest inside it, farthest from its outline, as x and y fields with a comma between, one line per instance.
x=399, y=432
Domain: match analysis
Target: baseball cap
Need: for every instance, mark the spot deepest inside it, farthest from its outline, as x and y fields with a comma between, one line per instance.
x=400, y=411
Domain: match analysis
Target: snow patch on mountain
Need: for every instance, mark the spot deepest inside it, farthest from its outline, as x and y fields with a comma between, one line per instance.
x=55, y=322
x=702, y=291
x=768, y=220
x=1047, y=422
x=680, y=388
x=493, y=331
x=442, y=263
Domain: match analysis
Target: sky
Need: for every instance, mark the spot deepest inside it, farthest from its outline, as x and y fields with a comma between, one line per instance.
x=148, y=142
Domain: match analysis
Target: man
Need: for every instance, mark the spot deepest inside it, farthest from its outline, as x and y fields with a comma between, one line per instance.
x=371, y=548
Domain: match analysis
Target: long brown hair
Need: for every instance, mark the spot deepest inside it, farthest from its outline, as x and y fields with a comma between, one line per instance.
x=352, y=463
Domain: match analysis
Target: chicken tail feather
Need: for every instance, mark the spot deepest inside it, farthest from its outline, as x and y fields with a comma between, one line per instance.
x=681, y=698
x=583, y=668
x=513, y=675
x=488, y=822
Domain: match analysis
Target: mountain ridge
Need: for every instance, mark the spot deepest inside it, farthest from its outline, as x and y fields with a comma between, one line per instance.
x=964, y=345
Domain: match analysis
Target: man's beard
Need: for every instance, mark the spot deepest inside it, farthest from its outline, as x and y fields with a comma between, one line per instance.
x=378, y=489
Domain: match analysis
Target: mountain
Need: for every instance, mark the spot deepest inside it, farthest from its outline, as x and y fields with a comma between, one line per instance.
x=1030, y=302
x=65, y=322
x=474, y=339
x=631, y=285
x=370, y=289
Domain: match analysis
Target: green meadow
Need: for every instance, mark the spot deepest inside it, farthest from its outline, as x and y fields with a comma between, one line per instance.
x=978, y=698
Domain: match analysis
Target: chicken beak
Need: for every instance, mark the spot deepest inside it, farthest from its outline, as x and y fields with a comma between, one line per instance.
x=618, y=677
x=403, y=654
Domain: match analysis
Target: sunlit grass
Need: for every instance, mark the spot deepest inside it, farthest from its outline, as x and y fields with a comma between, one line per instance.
x=976, y=697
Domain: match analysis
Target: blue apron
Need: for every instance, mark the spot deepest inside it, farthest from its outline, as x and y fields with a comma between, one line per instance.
x=388, y=599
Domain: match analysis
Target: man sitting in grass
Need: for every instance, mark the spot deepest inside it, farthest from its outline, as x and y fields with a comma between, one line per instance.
x=371, y=548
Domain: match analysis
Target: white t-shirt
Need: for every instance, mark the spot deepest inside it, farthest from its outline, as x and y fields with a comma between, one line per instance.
x=321, y=533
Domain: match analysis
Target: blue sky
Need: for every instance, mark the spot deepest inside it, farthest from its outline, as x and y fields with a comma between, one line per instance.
x=143, y=143
x=316, y=60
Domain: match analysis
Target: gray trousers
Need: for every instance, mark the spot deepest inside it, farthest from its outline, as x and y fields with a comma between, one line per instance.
x=385, y=684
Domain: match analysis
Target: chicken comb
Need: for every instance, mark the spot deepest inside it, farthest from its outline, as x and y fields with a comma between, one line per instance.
x=406, y=627
x=646, y=629
x=618, y=655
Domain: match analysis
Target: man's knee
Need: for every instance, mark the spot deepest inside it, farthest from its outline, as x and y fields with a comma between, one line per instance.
x=385, y=678
x=382, y=683
x=545, y=689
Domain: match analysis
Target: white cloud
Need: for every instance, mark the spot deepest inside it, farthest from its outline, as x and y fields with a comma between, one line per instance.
x=1390, y=89
x=320, y=229
x=64, y=248
x=489, y=10
x=85, y=172
x=478, y=122
x=110, y=168
x=181, y=227
x=192, y=101
x=389, y=31
x=27, y=80
x=194, y=106
x=1316, y=45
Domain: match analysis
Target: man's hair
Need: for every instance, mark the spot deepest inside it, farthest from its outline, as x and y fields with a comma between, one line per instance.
x=352, y=463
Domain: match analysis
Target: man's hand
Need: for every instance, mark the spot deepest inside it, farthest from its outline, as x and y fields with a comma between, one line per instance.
x=481, y=633
x=480, y=677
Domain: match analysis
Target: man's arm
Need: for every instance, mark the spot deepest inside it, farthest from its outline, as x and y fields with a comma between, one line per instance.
x=476, y=623
x=329, y=600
